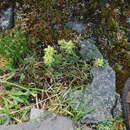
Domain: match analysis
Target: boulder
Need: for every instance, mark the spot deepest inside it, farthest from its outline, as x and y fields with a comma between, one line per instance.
x=100, y=96
x=99, y=100
x=7, y=16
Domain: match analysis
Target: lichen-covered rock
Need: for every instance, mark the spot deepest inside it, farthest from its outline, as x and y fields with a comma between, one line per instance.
x=100, y=96
x=7, y=16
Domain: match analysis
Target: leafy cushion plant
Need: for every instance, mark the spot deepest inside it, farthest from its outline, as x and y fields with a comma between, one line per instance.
x=64, y=55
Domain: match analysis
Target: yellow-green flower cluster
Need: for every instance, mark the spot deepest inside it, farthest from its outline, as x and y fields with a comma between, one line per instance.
x=67, y=46
x=99, y=62
x=49, y=56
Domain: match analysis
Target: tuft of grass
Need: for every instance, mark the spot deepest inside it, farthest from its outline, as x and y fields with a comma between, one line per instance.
x=66, y=73
x=13, y=46
x=112, y=124
x=47, y=85
x=15, y=96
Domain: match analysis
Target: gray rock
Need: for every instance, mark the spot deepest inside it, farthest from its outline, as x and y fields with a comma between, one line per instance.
x=7, y=17
x=100, y=96
x=89, y=51
x=76, y=26
x=37, y=114
x=57, y=123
